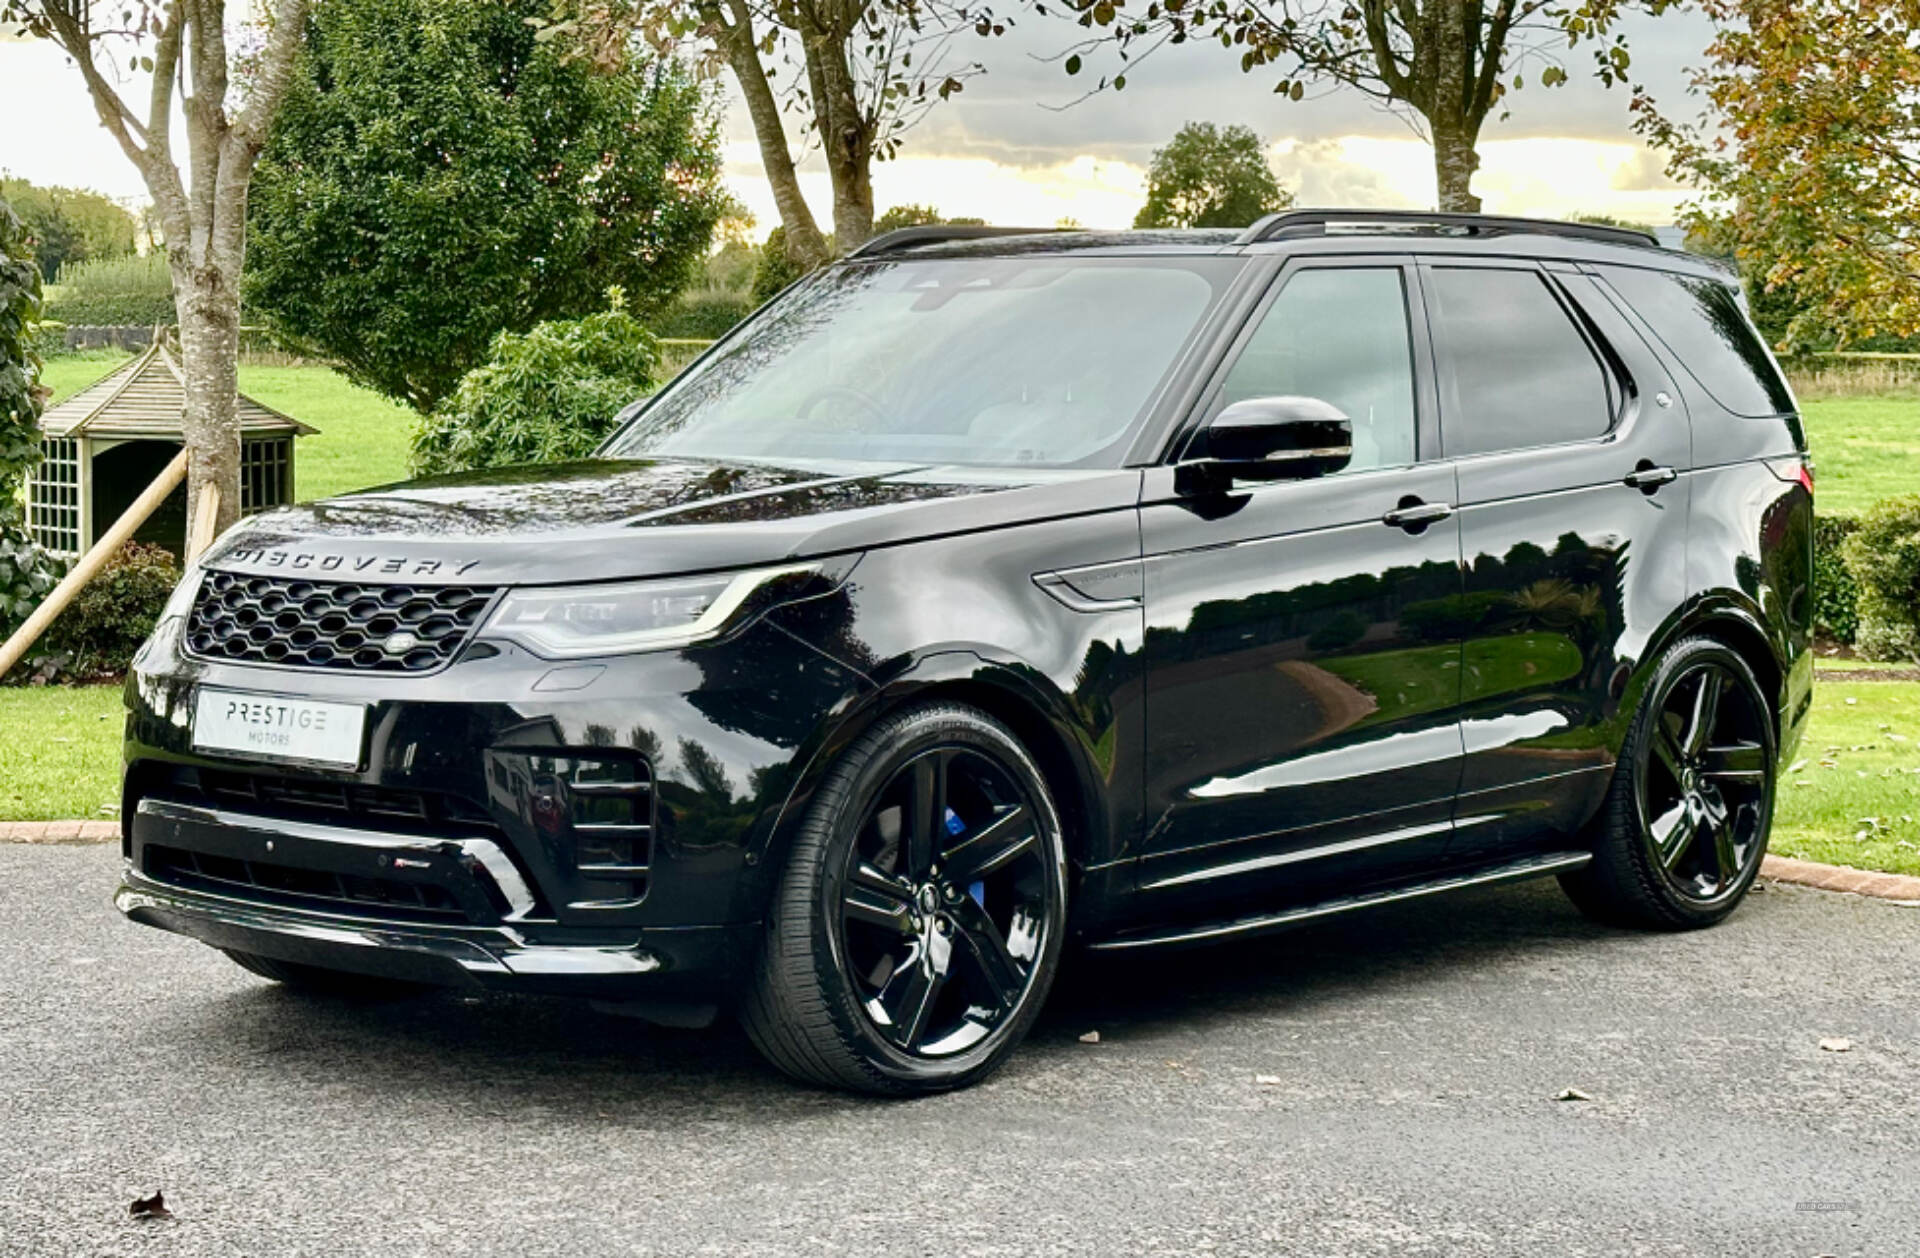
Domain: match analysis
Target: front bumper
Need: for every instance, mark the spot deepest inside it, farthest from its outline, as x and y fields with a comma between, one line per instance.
x=469, y=845
x=691, y=962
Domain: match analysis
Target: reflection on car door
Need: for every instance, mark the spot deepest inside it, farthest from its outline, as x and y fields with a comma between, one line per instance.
x=1571, y=446
x=1302, y=670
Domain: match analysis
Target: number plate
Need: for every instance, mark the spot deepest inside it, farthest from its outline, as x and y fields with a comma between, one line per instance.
x=312, y=731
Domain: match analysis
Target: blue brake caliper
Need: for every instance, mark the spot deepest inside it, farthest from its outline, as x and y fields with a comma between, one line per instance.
x=956, y=828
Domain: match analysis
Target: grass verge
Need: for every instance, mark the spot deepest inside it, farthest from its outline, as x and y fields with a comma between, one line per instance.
x=60, y=758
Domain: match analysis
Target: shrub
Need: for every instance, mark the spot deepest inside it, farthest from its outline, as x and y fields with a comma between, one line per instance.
x=544, y=396
x=706, y=314
x=114, y=292
x=774, y=271
x=1884, y=558
x=27, y=574
x=109, y=619
x=49, y=338
x=1836, y=598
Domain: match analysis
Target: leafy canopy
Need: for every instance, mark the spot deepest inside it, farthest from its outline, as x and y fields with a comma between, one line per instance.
x=1809, y=158
x=20, y=392
x=68, y=225
x=544, y=396
x=1210, y=176
x=440, y=174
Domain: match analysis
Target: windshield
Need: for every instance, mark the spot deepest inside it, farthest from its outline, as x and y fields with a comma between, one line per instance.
x=1045, y=361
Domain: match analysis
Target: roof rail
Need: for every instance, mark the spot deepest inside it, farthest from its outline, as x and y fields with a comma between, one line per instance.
x=1290, y=223
x=909, y=237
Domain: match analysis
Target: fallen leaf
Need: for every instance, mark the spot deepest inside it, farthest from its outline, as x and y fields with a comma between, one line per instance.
x=1091, y=1037
x=1267, y=1081
x=1573, y=1094
x=154, y=1207
x=1797, y=766
x=1851, y=702
x=1837, y=1044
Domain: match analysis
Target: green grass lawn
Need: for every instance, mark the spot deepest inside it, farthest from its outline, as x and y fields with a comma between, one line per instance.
x=362, y=439
x=60, y=758
x=1852, y=795
x=1864, y=449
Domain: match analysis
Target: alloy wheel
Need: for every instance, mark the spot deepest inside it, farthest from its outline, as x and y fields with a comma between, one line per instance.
x=1706, y=783
x=943, y=905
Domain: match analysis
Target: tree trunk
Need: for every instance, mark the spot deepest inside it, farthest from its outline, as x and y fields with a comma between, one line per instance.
x=846, y=137
x=1455, y=158
x=806, y=247
x=207, y=304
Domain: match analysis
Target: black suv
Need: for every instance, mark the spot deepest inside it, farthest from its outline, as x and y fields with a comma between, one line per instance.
x=991, y=591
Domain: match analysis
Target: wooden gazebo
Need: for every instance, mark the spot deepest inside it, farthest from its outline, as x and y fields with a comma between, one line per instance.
x=101, y=447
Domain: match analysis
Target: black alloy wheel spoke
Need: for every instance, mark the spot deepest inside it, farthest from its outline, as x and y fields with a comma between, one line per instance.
x=1744, y=763
x=1673, y=833
x=985, y=947
x=879, y=899
x=926, y=813
x=1706, y=711
x=1726, y=856
x=991, y=848
x=908, y=997
x=1667, y=748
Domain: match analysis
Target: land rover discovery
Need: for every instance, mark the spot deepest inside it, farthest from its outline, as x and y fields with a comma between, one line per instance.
x=990, y=593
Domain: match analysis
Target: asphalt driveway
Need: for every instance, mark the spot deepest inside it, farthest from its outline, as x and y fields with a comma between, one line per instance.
x=1382, y=1085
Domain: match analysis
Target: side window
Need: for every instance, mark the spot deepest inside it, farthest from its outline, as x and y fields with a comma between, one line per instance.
x=1515, y=371
x=1340, y=335
x=1701, y=322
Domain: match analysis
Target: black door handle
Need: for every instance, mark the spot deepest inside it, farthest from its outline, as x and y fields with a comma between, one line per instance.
x=1648, y=478
x=1414, y=515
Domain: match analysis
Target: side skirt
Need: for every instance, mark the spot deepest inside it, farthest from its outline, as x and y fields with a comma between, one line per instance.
x=1239, y=928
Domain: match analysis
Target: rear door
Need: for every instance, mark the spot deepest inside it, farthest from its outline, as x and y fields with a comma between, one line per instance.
x=1302, y=670
x=1571, y=445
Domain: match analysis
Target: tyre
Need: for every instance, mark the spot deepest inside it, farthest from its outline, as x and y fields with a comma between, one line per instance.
x=918, y=924
x=322, y=982
x=1686, y=819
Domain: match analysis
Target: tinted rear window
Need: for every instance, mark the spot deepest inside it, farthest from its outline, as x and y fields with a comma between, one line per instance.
x=1514, y=370
x=1701, y=322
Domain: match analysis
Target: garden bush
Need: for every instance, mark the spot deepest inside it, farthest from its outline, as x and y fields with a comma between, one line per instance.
x=1884, y=558
x=27, y=573
x=705, y=314
x=544, y=396
x=49, y=338
x=114, y=292
x=107, y=621
x=1836, y=597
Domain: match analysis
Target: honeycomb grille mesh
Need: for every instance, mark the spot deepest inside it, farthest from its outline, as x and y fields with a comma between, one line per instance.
x=325, y=624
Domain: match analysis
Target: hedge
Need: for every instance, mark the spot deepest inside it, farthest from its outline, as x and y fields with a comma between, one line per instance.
x=1884, y=559
x=110, y=291
x=705, y=314
x=1836, y=596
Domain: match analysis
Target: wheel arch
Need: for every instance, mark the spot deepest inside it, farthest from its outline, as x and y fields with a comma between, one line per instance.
x=1729, y=619
x=1014, y=694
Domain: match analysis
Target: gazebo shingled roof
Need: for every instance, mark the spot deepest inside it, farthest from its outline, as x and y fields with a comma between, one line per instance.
x=145, y=399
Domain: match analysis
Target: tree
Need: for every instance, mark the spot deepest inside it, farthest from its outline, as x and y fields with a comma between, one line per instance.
x=227, y=108
x=920, y=216
x=858, y=74
x=440, y=174
x=20, y=391
x=69, y=225
x=1447, y=64
x=1210, y=176
x=1809, y=158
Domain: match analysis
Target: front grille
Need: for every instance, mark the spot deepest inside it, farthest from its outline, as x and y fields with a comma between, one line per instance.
x=383, y=808
x=301, y=888
x=329, y=624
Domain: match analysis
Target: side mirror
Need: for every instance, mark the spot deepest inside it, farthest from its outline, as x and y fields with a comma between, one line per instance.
x=1270, y=438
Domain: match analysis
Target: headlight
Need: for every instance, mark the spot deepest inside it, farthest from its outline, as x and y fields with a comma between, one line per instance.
x=571, y=621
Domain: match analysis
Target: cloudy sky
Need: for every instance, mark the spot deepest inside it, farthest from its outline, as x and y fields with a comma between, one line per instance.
x=1013, y=147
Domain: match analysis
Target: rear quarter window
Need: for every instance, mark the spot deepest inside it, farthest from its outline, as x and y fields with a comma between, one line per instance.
x=1702, y=323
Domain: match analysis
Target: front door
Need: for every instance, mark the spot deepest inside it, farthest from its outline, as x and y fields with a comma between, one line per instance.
x=1302, y=656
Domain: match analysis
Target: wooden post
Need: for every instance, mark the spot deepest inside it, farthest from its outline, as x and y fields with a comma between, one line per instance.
x=200, y=532
x=90, y=563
